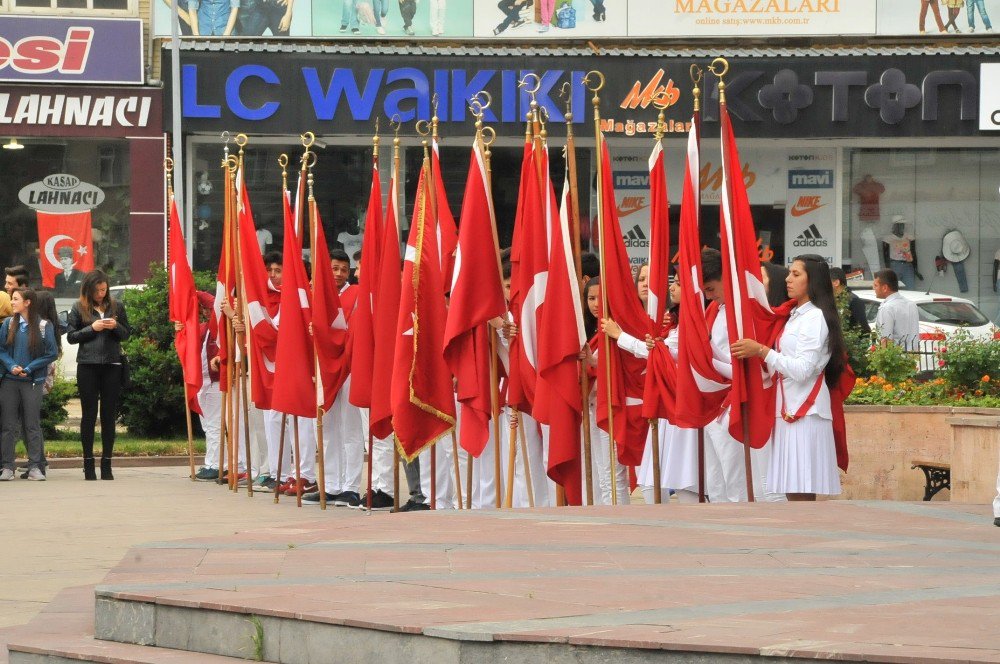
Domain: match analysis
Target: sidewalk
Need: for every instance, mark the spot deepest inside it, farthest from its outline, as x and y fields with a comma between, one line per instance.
x=67, y=532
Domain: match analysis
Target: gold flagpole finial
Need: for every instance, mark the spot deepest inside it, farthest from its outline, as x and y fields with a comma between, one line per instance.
x=283, y=162
x=696, y=73
x=168, y=168
x=661, y=125
x=241, y=140
x=597, y=87
x=720, y=67
x=375, y=140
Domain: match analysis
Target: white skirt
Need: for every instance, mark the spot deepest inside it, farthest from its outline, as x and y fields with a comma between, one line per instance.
x=678, y=458
x=803, y=457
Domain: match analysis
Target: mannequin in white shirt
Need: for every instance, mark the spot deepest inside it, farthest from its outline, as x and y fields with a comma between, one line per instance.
x=808, y=357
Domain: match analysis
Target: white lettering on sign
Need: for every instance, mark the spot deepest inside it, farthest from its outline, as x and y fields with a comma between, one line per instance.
x=73, y=110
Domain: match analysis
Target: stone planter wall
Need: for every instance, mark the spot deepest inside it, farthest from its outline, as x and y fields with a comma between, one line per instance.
x=884, y=440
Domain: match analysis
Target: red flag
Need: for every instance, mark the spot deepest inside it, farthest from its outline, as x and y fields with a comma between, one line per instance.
x=701, y=389
x=744, y=292
x=447, y=232
x=225, y=282
x=385, y=319
x=362, y=320
x=294, y=369
x=529, y=259
x=561, y=336
x=261, y=305
x=183, y=306
x=661, y=370
x=329, y=320
x=623, y=305
x=65, y=235
x=476, y=297
x=423, y=402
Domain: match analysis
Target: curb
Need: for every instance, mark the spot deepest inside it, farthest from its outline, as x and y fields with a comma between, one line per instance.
x=120, y=462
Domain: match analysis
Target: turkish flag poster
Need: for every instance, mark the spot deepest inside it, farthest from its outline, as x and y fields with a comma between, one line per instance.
x=67, y=250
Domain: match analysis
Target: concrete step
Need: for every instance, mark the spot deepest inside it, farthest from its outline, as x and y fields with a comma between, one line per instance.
x=72, y=649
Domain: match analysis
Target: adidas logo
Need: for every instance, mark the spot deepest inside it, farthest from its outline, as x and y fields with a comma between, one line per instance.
x=810, y=237
x=635, y=237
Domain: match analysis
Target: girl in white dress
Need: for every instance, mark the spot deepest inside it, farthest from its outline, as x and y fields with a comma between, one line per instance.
x=808, y=357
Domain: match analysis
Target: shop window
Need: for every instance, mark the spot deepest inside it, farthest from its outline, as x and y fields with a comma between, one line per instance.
x=114, y=167
x=100, y=7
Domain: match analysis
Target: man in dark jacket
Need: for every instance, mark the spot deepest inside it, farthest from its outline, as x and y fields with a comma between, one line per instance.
x=850, y=306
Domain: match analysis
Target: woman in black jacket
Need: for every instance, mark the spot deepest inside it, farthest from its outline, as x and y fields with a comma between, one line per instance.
x=98, y=323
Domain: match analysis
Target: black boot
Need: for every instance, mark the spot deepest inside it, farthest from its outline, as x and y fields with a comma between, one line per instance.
x=88, y=469
x=106, y=469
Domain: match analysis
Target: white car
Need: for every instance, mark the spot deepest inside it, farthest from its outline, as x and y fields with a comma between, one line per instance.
x=67, y=362
x=940, y=315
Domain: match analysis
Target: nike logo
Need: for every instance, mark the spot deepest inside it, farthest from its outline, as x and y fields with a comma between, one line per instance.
x=631, y=205
x=805, y=205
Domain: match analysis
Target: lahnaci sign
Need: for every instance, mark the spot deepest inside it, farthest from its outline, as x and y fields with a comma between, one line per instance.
x=61, y=193
x=80, y=111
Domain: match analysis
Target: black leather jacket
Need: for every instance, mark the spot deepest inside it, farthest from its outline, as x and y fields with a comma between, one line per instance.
x=102, y=347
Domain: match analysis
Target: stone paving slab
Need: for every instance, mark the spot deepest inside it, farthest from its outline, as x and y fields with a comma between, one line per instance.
x=871, y=581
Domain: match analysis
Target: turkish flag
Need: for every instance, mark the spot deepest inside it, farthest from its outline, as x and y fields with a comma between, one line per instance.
x=423, y=401
x=294, y=370
x=624, y=370
x=385, y=318
x=58, y=233
x=561, y=336
x=476, y=298
x=701, y=389
x=362, y=320
x=329, y=319
x=225, y=282
x=661, y=369
x=745, y=293
x=183, y=308
x=529, y=257
x=447, y=232
x=261, y=307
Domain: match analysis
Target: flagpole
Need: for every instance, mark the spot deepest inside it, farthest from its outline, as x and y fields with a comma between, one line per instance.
x=653, y=423
x=727, y=170
x=307, y=141
x=392, y=192
x=283, y=162
x=696, y=73
x=596, y=102
x=226, y=444
x=527, y=466
x=574, y=193
x=432, y=197
x=168, y=167
x=371, y=438
x=243, y=339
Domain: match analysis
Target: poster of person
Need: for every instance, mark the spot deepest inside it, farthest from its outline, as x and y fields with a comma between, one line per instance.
x=393, y=18
x=235, y=18
x=934, y=17
x=551, y=19
x=706, y=18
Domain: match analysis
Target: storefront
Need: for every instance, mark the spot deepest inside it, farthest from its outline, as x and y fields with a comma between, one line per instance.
x=66, y=119
x=810, y=130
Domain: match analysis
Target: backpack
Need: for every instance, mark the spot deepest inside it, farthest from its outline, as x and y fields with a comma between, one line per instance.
x=566, y=17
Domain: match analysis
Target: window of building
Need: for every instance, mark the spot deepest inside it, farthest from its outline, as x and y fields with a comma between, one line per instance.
x=99, y=7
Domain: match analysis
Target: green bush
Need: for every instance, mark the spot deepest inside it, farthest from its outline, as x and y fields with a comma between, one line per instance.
x=891, y=362
x=54, y=410
x=970, y=364
x=154, y=405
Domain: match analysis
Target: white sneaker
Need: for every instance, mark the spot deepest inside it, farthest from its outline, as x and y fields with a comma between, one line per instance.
x=36, y=475
x=6, y=475
x=380, y=30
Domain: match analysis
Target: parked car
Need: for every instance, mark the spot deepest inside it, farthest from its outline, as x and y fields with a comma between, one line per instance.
x=940, y=315
x=67, y=362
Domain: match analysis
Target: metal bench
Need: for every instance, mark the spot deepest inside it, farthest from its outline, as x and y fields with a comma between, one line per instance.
x=937, y=475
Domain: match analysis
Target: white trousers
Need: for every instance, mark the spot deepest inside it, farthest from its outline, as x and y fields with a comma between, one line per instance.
x=343, y=445
x=600, y=463
x=725, y=466
x=307, y=445
x=210, y=399
x=382, y=458
x=996, y=501
x=438, y=9
x=258, y=443
x=445, y=496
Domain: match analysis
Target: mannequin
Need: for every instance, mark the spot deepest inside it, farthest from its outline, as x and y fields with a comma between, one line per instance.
x=868, y=191
x=900, y=253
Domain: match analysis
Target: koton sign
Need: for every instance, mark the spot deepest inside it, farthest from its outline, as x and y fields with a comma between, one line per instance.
x=61, y=193
x=989, y=96
x=70, y=50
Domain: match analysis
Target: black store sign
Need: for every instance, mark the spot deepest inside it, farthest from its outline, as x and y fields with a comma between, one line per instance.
x=769, y=97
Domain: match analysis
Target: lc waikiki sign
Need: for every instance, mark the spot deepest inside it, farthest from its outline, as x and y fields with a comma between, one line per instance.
x=70, y=50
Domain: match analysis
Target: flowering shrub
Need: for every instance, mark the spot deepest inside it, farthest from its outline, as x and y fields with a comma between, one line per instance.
x=877, y=391
x=970, y=364
x=891, y=362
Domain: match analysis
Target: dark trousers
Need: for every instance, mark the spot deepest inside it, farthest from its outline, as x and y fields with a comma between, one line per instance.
x=407, y=9
x=21, y=407
x=100, y=386
x=256, y=16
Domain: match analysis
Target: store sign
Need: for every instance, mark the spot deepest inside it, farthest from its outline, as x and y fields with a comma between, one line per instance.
x=989, y=97
x=80, y=111
x=745, y=18
x=810, y=211
x=776, y=97
x=70, y=50
x=61, y=193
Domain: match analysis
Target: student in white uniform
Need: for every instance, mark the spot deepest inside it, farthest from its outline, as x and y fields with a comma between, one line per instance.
x=807, y=358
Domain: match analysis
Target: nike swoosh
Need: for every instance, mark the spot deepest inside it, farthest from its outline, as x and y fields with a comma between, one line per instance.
x=625, y=213
x=798, y=212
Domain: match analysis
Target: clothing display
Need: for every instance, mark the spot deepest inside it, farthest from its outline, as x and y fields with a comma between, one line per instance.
x=869, y=190
x=956, y=249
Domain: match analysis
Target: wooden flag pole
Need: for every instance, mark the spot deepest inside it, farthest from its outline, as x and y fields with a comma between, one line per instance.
x=243, y=339
x=574, y=194
x=527, y=465
x=395, y=474
x=653, y=423
x=599, y=145
x=696, y=74
x=458, y=470
x=226, y=410
x=508, y=500
x=233, y=425
x=281, y=455
x=307, y=141
x=298, y=461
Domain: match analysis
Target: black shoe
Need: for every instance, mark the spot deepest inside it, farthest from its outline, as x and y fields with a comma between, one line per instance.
x=88, y=469
x=380, y=501
x=348, y=499
x=996, y=522
x=313, y=498
x=207, y=474
x=413, y=506
x=106, y=469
